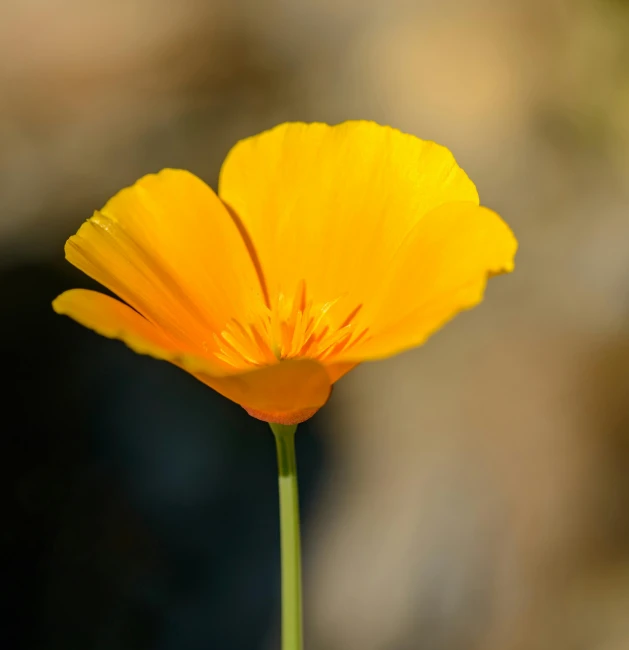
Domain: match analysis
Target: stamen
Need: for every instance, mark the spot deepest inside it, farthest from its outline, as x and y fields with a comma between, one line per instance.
x=291, y=328
x=351, y=316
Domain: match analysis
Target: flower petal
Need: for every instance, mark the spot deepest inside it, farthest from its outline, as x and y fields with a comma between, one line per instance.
x=113, y=319
x=170, y=249
x=289, y=386
x=331, y=204
x=282, y=389
x=440, y=269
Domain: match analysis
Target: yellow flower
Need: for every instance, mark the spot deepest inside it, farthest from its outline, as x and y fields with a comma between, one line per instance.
x=325, y=247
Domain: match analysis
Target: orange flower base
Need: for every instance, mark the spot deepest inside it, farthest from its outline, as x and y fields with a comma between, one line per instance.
x=286, y=417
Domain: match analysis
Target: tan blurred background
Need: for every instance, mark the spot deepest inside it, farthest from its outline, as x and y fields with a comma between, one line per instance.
x=478, y=496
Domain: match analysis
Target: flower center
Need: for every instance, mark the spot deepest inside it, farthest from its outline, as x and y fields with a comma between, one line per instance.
x=295, y=327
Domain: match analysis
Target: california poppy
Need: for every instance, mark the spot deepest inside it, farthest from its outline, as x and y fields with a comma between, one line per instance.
x=326, y=246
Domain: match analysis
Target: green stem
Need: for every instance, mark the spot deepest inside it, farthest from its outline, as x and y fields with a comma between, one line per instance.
x=290, y=538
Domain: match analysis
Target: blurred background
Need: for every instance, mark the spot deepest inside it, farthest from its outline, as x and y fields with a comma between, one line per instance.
x=471, y=494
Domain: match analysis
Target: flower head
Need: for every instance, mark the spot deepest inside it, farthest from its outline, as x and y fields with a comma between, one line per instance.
x=326, y=246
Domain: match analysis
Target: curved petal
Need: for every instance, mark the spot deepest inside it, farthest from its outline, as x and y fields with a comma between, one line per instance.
x=440, y=270
x=289, y=386
x=170, y=249
x=115, y=320
x=331, y=204
x=281, y=389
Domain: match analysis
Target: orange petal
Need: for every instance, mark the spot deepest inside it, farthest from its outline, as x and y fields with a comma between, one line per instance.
x=283, y=390
x=331, y=204
x=170, y=249
x=289, y=386
x=113, y=319
x=334, y=372
x=441, y=269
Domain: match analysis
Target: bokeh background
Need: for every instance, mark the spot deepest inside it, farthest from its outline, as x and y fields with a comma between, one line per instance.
x=471, y=494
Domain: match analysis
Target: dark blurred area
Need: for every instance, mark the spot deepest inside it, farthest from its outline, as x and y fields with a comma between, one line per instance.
x=141, y=506
x=469, y=494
